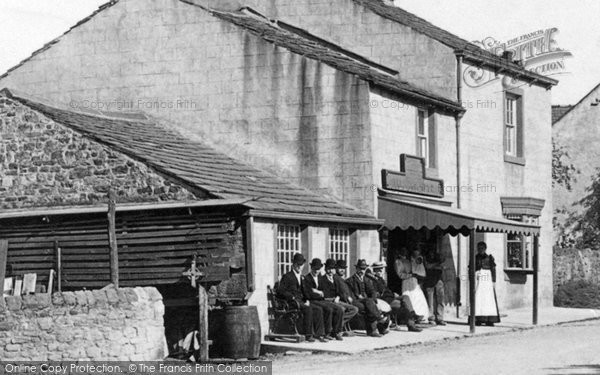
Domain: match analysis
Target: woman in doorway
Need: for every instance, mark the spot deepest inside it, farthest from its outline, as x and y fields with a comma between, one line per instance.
x=410, y=271
x=486, y=304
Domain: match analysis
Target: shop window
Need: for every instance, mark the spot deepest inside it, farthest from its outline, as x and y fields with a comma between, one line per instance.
x=339, y=245
x=519, y=248
x=288, y=244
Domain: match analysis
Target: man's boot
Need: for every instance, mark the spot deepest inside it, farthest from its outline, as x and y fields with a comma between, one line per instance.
x=412, y=327
x=372, y=330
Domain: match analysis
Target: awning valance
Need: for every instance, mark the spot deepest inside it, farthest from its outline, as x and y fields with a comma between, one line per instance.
x=416, y=215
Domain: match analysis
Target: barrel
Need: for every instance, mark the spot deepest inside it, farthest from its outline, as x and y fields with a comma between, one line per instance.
x=240, y=335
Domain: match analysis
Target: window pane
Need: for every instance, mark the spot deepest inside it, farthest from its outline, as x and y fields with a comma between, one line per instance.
x=288, y=243
x=421, y=123
x=339, y=244
x=514, y=255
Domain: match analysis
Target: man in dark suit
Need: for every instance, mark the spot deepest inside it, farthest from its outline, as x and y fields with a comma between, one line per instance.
x=332, y=313
x=364, y=295
x=434, y=286
x=292, y=288
x=332, y=286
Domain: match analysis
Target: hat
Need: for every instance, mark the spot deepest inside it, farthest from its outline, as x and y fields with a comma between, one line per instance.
x=299, y=259
x=316, y=263
x=341, y=263
x=329, y=264
x=362, y=264
x=378, y=265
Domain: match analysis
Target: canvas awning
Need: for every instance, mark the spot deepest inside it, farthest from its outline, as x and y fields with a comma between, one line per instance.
x=416, y=215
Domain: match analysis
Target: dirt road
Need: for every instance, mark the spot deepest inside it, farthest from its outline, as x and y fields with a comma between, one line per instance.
x=564, y=349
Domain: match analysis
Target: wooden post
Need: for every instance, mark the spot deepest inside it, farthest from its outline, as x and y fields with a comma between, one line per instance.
x=112, y=239
x=58, y=253
x=472, y=252
x=50, y=282
x=3, y=257
x=203, y=323
x=249, y=255
x=536, y=242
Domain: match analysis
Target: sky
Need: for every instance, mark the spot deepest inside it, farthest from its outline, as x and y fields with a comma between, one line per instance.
x=26, y=25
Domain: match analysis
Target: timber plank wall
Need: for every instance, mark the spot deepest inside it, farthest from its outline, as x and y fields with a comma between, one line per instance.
x=154, y=247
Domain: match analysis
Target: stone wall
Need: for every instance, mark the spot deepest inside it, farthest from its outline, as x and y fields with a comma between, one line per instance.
x=420, y=60
x=108, y=324
x=578, y=132
x=574, y=264
x=279, y=111
x=43, y=163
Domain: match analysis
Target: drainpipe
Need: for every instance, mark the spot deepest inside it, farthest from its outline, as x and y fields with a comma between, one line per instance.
x=459, y=63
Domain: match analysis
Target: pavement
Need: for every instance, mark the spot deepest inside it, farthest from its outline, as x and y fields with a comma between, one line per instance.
x=456, y=328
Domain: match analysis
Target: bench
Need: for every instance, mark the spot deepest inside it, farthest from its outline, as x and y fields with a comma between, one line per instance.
x=283, y=318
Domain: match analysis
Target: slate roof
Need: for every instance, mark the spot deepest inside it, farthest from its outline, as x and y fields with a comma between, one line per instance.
x=455, y=42
x=337, y=57
x=558, y=111
x=193, y=163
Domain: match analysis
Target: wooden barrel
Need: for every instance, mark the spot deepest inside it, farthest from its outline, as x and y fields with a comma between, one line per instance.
x=240, y=334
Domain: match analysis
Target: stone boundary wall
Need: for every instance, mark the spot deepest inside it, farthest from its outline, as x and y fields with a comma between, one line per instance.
x=107, y=324
x=574, y=264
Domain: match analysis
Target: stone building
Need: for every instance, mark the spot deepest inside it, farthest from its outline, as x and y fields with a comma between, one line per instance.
x=388, y=118
x=577, y=132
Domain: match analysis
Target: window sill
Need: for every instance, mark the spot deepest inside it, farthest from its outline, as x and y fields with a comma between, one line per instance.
x=514, y=160
x=526, y=271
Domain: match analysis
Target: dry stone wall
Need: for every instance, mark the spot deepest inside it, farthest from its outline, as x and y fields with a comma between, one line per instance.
x=108, y=324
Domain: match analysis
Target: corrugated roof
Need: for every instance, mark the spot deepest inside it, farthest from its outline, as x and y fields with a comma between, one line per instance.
x=470, y=50
x=193, y=163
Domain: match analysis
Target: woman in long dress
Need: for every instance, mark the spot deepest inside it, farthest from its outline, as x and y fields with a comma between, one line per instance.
x=486, y=304
x=410, y=270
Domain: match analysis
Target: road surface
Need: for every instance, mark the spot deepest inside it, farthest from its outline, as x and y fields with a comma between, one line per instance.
x=565, y=349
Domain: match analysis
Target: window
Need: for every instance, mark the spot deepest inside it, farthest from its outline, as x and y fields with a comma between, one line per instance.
x=426, y=142
x=513, y=127
x=339, y=245
x=288, y=244
x=519, y=248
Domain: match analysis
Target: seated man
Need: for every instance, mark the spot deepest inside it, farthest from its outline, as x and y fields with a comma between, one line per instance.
x=401, y=307
x=332, y=287
x=292, y=289
x=332, y=313
x=364, y=295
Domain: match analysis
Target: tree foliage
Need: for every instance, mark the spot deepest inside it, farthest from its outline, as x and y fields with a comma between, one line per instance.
x=563, y=173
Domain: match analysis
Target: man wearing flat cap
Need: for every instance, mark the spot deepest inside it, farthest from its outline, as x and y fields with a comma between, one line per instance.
x=402, y=309
x=292, y=288
x=364, y=295
x=332, y=313
x=332, y=287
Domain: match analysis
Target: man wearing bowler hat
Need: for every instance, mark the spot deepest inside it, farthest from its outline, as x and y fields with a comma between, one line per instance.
x=364, y=295
x=292, y=288
x=331, y=285
x=332, y=313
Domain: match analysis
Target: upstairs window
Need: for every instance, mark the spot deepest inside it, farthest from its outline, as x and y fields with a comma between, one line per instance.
x=426, y=140
x=513, y=127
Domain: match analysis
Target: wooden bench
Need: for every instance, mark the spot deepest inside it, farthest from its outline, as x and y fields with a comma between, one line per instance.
x=283, y=319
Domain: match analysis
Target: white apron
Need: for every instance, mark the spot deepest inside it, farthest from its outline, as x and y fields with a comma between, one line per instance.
x=411, y=288
x=485, y=300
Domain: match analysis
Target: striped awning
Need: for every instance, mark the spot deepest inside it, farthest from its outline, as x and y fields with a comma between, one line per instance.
x=416, y=215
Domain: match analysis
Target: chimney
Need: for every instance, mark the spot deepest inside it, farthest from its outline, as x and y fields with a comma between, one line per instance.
x=508, y=55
